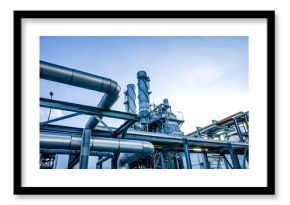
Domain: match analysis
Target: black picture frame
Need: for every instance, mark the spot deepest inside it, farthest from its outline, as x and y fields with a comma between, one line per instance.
x=268, y=190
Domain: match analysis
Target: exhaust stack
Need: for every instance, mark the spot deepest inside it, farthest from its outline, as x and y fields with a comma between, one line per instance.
x=130, y=97
x=143, y=93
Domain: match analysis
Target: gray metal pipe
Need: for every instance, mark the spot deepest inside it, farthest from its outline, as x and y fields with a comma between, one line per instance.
x=152, y=137
x=143, y=93
x=130, y=97
x=73, y=142
x=74, y=152
x=126, y=158
x=81, y=79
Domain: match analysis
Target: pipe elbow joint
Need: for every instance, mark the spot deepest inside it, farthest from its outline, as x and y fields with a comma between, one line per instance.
x=148, y=148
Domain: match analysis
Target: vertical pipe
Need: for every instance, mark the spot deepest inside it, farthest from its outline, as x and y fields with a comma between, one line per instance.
x=234, y=158
x=187, y=154
x=143, y=93
x=130, y=97
x=85, y=149
x=163, y=164
x=205, y=160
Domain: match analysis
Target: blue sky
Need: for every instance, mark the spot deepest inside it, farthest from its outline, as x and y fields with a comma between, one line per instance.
x=204, y=77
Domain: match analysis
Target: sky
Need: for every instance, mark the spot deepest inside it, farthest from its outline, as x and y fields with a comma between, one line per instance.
x=204, y=77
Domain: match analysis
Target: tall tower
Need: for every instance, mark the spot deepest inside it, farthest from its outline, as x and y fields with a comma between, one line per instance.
x=143, y=93
x=130, y=97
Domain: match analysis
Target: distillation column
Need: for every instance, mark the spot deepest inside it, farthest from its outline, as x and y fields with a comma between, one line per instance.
x=143, y=94
x=130, y=97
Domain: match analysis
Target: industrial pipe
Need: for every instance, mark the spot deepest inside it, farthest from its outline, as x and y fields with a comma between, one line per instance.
x=111, y=89
x=125, y=159
x=130, y=97
x=81, y=79
x=73, y=142
x=74, y=152
x=143, y=93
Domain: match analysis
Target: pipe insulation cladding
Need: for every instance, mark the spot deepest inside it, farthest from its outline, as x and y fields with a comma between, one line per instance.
x=130, y=98
x=73, y=142
x=143, y=93
x=81, y=79
x=75, y=152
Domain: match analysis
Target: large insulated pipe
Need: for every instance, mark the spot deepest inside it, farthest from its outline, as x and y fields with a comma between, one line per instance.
x=81, y=79
x=126, y=158
x=73, y=142
x=130, y=97
x=75, y=152
x=143, y=93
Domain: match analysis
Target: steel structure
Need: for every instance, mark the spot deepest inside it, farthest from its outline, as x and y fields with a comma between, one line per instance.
x=149, y=139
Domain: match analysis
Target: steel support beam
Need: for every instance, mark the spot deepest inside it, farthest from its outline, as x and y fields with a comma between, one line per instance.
x=162, y=158
x=103, y=123
x=219, y=162
x=74, y=161
x=238, y=130
x=114, y=162
x=234, y=158
x=85, y=149
x=227, y=163
x=124, y=127
x=170, y=147
x=71, y=157
x=60, y=118
x=187, y=154
x=87, y=110
x=245, y=158
x=103, y=159
x=205, y=160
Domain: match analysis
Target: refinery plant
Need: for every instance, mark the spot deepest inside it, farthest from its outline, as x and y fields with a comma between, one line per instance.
x=150, y=137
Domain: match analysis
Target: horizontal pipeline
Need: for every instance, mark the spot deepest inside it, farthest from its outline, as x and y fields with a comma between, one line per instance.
x=72, y=142
x=146, y=136
x=66, y=151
